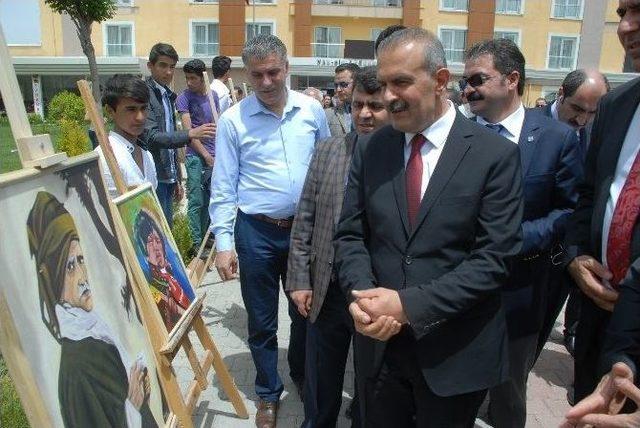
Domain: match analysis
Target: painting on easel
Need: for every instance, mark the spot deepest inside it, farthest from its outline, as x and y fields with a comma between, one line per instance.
x=156, y=252
x=72, y=329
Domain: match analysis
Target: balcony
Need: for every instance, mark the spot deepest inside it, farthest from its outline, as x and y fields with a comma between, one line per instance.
x=358, y=8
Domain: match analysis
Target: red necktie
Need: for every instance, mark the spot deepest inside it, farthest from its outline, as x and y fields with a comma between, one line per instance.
x=624, y=219
x=414, y=178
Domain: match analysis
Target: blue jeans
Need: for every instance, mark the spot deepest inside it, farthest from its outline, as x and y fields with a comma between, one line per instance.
x=263, y=249
x=165, y=195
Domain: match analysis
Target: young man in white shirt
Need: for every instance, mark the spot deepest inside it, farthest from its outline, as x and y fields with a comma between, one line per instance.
x=126, y=98
x=220, y=67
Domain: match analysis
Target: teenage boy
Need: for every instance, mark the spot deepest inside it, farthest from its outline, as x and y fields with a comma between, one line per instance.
x=195, y=110
x=125, y=99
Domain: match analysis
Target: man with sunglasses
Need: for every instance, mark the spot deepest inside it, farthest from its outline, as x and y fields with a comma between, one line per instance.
x=339, y=117
x=493, y=83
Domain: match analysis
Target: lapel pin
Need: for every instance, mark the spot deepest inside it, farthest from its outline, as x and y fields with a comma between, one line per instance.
x=530, y=138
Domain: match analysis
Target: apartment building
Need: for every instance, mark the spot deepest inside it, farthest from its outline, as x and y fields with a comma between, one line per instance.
x=556, y=36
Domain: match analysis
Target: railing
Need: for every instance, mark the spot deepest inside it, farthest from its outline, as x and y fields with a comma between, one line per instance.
x=328, y=50
x=375, y=3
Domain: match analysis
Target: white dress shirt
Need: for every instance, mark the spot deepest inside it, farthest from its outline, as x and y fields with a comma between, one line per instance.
x=431, y=150
x=224, y=96
x=628, y=153
x=512, y=124
x=131, y=173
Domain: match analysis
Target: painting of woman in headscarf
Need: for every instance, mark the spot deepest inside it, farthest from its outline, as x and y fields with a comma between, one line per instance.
x=65, y=280
x=157, y=253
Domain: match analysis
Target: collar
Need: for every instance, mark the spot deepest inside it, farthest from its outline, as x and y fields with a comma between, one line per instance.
x=121, y=140
x=554, y=110
x=439, y=130
x=255, y=106
x=512, y=123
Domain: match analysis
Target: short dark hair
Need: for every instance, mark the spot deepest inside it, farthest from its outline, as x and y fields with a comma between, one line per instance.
x=160, y=49
x=124, y=86
x=144, y=225
x=366, y=80
x=220, y=65
x=575, y=79
x=386, y=33
x=347, y=66
x=195, y=66
x=506, y=55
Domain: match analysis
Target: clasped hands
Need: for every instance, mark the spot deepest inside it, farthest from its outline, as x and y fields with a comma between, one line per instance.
x=377, y=313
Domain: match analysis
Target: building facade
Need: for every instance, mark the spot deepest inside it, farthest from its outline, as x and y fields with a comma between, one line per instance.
x=555, y=36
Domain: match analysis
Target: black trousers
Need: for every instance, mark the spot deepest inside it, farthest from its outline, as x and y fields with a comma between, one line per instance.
x=327, y=349
x=400, y=397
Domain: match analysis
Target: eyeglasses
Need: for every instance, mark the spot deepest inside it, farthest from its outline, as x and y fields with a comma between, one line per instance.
x=474, y=81
x=343, y=85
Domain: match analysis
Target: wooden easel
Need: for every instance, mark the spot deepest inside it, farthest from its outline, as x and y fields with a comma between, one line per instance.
x=232, y=90
x=165, y=344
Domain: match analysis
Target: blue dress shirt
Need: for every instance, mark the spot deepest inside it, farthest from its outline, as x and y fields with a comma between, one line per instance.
x=262, y=160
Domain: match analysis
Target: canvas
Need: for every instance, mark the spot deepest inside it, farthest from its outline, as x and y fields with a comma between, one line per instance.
x=156, y=252
x=78, y=331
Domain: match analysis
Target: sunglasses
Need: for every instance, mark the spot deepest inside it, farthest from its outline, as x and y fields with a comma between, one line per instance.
x=474, y=81
x=343, y=85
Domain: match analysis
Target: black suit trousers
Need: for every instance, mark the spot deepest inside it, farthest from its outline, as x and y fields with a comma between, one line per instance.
x=400, y=397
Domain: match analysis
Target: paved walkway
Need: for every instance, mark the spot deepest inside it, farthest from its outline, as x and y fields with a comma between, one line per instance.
x=226, y=318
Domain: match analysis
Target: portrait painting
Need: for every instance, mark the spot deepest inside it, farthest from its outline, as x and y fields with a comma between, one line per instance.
x=70, y=301
x=156, y=252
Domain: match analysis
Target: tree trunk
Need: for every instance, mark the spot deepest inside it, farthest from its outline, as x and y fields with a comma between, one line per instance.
x=84, y=35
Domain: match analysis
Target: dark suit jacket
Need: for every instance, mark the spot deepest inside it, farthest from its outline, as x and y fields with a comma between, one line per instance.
x=156, y=140
x=551, y=168
x=449, y=271
x=584, y=233
x=311, y=251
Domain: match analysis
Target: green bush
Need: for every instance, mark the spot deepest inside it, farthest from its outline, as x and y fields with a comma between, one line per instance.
x=35, y=119
x=66, y=105
x=11, y=412
x=182, y=235
x=73, y=138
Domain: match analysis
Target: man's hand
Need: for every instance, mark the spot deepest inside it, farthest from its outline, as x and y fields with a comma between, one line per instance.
x=206, y=130
x=227, y=264
x=607, y=399
x=178, y=192
x=303, y=300
x=377, y=302
x=588, y=274
x=382, y=329
x=138, y=390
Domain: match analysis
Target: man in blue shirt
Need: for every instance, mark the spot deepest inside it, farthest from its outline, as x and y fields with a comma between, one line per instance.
x=263, y=149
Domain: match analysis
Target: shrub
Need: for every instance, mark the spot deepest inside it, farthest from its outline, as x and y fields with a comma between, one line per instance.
x=35, y=119
x=66, y=105
x=11, y=412
x=73, y=138
x=182, y=235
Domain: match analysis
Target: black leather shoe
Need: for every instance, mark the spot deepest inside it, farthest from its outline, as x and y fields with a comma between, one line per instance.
x=570, y=343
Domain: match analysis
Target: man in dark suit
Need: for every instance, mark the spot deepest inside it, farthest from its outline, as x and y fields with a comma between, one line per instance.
x=339, y=117
x=576, y=105
x=311, y=280
x=603, y=237
x=431, y=216
x=493, y=82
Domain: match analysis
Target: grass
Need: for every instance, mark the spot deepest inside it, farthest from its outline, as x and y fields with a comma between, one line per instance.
x=11, y=413
x=9, y=159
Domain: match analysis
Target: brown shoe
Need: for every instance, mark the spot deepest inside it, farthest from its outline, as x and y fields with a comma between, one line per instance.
x=267, y=413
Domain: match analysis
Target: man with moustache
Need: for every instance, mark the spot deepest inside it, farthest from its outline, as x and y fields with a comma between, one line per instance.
x=493, y=82
x=603, y=237
x=576, y=105
x=311, y=281
x=339, y=117
x=263, y=149
x=432, y=213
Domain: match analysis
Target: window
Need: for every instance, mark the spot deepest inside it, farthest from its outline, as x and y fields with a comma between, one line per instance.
x=118, y=39
x=455, y=5
x=514, y=36
x=511, y=7
x=328, y=42
x=375, y=32
x=124, y=3
x=566, y=9
x=258, y=28
x=205, y=39
x=385, y=3
x=563, y=52
x=328, y=1
x=204, y=1
x=453, y=41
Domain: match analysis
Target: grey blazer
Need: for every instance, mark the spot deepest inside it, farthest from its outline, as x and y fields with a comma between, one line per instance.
x=337, y=124
x=311, y=251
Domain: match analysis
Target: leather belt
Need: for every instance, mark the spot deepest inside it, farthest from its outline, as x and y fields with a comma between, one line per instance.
x=284, y=223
